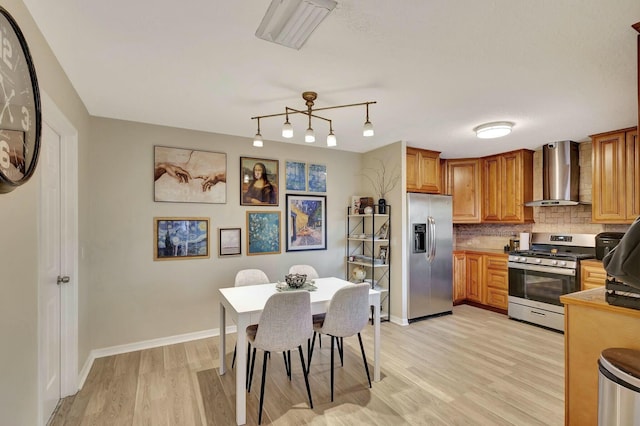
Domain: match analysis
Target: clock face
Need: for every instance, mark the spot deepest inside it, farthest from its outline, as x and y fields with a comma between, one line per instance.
x=20, y=117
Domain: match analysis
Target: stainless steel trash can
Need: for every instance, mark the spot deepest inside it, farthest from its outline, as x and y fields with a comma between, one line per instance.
x=619, y=387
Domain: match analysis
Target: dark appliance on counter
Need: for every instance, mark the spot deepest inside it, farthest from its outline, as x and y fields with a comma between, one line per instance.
x=539, y=276
x=621, y=294
x=605, y=242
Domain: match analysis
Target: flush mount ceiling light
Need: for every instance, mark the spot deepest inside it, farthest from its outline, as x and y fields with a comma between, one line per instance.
x=309, y=136
x=493, y=130
x=291, y=22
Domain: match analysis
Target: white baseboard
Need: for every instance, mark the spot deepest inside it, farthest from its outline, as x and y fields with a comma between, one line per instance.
x=145, y=344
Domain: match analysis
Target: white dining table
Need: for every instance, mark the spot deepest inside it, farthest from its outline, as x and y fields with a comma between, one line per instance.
x=245, y=305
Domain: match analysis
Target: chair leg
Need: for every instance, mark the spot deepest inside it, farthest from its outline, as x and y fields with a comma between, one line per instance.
x=364, y=358
x=332, y=347
x=340, y=350
x=305, y=371
x=287, y=363
x=310, y=351
x=250, y=372
x=233, y=361
x=264, y=375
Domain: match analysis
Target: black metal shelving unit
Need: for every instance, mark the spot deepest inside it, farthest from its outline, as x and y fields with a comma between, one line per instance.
x=368, y=239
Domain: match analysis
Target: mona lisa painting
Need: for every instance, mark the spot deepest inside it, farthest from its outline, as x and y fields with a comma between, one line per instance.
x=258, y=182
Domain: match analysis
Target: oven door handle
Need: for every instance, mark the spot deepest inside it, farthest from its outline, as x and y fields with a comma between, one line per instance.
x=537, y=268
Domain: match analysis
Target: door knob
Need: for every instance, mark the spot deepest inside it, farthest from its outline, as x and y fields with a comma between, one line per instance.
x=63, y=279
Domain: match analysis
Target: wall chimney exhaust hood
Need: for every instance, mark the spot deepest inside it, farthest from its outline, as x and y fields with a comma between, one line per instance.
x=560, y=175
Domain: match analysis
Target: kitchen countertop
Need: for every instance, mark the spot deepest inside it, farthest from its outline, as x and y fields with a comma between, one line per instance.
x=460, y=249
x=595, y=298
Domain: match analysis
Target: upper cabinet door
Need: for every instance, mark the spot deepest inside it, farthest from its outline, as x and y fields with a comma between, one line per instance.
x=609, y=170
x=507, y=184
x=423, y=171
x=463, y=184
x=633, y=175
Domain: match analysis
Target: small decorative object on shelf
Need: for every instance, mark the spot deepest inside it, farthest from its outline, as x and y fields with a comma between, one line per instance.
x=295, y=280
x=358, y=274
x=382, y=206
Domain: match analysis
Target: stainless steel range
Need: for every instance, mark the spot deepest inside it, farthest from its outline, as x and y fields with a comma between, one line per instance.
x=538, y=277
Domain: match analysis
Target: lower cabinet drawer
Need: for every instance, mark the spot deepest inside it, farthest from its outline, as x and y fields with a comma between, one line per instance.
x=497, y=298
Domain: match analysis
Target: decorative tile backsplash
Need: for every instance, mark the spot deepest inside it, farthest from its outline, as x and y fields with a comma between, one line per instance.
x=567, y=219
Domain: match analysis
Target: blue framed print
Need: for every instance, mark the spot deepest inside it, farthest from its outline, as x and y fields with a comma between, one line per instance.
x=296, y=175
x=317, y=178
x=306, y=222
x=181, y=238
x=263, y=232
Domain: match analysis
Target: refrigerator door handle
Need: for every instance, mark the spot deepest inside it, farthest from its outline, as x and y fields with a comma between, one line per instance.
x=432, y=238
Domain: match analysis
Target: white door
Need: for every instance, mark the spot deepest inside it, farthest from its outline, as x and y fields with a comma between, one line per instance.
x=51, y=268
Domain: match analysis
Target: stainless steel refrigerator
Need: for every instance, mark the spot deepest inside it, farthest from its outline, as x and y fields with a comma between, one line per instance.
x=429, y=255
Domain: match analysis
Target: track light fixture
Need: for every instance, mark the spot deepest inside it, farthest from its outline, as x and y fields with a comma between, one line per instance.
x=309, y=136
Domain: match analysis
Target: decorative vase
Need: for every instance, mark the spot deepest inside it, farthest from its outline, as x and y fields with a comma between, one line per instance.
x=382, y=206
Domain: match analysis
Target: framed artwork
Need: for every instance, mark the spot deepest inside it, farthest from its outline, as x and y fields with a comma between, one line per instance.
x=296, y=176
x=263, y=232
x=258, y=182
x=229, y=242
x=180, y=238
x=383, y=232
x=355, y=204
x=306, y=222
x=189, y=176
x=384, y=254
x=317, y=178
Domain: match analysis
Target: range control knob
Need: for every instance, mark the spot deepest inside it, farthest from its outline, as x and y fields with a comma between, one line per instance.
x=554, y=262
x=563, y=263
x=522, y=259
x=538, y=261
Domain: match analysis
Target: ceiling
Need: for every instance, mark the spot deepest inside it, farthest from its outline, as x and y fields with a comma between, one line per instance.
x=558, y=69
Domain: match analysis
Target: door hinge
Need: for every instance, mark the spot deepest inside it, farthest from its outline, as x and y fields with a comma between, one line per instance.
x=63, y=279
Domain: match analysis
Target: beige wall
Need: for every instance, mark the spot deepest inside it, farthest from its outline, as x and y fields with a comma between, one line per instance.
x=135, y=298
x=19, y=248
x=392, y=156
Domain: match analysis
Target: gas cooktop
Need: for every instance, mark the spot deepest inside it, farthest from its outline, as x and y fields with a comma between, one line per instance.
x=551, y=255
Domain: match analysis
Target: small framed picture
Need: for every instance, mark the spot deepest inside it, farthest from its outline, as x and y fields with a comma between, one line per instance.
x=181, y=238
x=383, y=232
x=354, y=207
x=317, y=178
x=384, y=254
x=296, y=175
x=229, y=242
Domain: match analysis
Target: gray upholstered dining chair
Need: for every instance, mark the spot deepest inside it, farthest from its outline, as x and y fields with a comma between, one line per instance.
x=248, y=277
x=347, y=314
x=307, y=270
x=285, y=324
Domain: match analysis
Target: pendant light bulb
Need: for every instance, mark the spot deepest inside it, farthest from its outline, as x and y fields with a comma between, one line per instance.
x=257, y=139
x=331, y=139
x=367, y=130
x=287, y=128
x=309, y=136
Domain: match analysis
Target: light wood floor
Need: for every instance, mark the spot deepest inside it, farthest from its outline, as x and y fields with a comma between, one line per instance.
x=474, y=367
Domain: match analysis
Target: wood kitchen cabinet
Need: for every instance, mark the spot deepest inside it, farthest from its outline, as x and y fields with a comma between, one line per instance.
x=592, y=274
x=474, y=276
x=616, y=176
x=496, y=281
x=507, y=183
x=462, y=182
x=423, y=171
x=459, y=277
x=591, y=326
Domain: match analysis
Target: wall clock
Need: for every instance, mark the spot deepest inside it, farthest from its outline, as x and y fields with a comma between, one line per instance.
x=20, y=115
